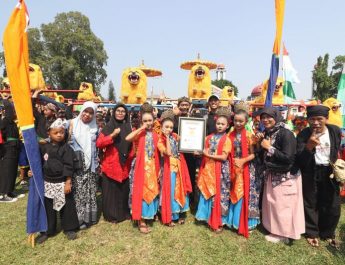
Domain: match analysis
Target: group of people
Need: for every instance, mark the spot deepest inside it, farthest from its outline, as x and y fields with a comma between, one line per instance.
x=239, y=180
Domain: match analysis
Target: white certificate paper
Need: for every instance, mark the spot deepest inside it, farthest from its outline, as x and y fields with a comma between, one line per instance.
x=192, y=134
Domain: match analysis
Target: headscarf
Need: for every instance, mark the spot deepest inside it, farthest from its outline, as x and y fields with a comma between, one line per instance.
x=276, y=115
x=120, y=143
x=83, y=133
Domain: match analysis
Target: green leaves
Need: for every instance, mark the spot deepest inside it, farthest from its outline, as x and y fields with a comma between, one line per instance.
x=68, y=52
x=325, y=84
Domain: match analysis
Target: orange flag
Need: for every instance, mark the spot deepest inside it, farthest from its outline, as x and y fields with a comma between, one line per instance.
x=16, y=51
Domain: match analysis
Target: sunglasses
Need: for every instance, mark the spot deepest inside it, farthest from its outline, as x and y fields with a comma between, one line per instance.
x=146, y=120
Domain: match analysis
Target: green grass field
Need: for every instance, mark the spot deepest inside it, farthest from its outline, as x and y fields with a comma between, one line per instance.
x=191, y=243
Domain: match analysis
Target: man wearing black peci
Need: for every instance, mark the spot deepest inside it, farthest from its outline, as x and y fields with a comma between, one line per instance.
x=317, y=147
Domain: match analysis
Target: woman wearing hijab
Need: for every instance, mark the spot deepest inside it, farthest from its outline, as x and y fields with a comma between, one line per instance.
x=115, y=165
x=282, y=202
x=83, y=134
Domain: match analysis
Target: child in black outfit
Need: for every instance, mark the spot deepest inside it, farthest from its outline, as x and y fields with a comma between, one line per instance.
x=57, y=171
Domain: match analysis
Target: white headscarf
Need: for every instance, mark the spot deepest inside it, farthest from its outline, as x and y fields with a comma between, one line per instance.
x=83, y=132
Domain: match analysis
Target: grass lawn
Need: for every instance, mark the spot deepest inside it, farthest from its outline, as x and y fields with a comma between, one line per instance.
x=191, y=243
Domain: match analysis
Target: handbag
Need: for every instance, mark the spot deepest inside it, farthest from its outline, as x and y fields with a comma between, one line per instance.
x=338, y=171
x=78, y=155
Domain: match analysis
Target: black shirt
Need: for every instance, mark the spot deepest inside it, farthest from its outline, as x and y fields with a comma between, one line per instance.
x=57, y=162
x=8, y=126
x=211, y=123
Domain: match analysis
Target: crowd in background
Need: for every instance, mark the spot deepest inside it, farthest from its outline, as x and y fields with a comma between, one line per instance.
x=262, y=167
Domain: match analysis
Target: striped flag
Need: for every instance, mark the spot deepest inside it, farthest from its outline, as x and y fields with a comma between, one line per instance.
x=341, y=94
x=289, y=75
x=279, y=12
x=15, y=42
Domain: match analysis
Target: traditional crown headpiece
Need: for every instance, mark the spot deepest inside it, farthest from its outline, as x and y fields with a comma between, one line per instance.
x=224, y=112
x=241, y=105
x=146, y=107
x=168, y=115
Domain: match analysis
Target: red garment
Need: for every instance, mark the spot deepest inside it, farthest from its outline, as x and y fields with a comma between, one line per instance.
x=342, y=189
x=138, y=182
x=110, y=164
x=166, y=185
x=215, y=221
x=243, y=227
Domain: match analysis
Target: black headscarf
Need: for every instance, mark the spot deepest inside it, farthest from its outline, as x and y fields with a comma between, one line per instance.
x=276, y=115
x=120, y=143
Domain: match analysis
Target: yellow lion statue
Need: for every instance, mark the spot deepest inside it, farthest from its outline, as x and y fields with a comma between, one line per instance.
x=334, y=113
x=133, y=86
x=36, y=77
x=199, y=84
x=227, y=95
x=37, y=82
x=278, y=96
x=87, y=92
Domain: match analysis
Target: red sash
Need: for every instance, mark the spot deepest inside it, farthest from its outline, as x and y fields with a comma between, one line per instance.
x=243, y=227
x=139, y=173
x=215, y=220
x=166, y=185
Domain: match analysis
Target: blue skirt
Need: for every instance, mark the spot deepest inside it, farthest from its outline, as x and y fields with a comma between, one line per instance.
x=148, y=211
x=204, y=208
x=232, y=220
x=176, y=209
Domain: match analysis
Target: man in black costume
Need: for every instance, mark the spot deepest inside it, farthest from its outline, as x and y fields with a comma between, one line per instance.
x=317, y=147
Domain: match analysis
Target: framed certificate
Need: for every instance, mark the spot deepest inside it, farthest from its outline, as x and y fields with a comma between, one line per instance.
x=192, y=133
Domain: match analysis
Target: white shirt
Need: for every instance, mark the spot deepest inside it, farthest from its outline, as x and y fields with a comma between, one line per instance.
x=323, y=150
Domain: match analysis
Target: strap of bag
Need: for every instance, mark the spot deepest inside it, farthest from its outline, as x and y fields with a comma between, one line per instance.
x=70, y=130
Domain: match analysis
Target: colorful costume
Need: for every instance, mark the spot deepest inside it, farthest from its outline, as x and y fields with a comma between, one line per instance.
x=175, y=181
x=144, y=188
x=244, y=190
x=214, y=183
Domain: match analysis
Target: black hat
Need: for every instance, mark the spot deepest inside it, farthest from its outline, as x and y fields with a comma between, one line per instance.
x=317, y=110
x=212, y=97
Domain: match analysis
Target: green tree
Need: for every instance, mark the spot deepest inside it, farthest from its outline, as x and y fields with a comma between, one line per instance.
x=223, y=82
x=323, y=83
x=337, y=68
x=111, y=92
x=68, y=52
